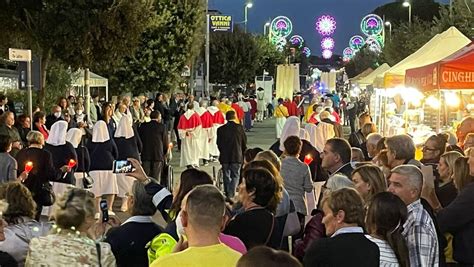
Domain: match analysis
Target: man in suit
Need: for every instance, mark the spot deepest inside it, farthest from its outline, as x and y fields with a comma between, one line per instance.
x=232, y=142
x=336, y=157
x=155, y=145
x=346, y=244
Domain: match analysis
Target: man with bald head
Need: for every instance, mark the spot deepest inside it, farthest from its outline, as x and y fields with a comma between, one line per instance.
x=466, y=126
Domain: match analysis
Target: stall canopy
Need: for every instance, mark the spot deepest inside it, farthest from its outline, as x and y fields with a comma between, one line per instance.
x=361, y=75
x=454, y=72
x=94, y=81
x=369, y=79
x=439, y=47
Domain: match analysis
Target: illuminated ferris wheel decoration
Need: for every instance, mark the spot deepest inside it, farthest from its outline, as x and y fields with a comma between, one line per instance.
x=281, y=26
x=296, y=40
x=326, y=25
x=306, y=51
x=327, y=54
x=327, y=43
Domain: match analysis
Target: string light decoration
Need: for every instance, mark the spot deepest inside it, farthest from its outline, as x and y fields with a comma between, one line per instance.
x=372, y=25
x=327, y=43
x=356, y=42
x=306, y=51
x=281, y=26
x=296, y=40
x=327, y=54
x=326, y=25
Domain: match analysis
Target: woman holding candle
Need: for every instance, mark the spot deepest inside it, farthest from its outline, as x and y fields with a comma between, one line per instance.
x=38, y=163
x=74, y=136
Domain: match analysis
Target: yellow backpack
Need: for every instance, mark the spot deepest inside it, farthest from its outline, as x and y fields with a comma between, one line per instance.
x=161, y=245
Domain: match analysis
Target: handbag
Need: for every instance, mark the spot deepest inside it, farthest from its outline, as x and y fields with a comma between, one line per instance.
x=292, y=224
x=46, y=196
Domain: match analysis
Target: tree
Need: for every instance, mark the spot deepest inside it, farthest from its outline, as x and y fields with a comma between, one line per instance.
x=270, y=57
x=234, y=57
x=395, y=12
x=363, y=60
x=173, y=40
x=405, y=40
x=462, y=18
x=83, y=33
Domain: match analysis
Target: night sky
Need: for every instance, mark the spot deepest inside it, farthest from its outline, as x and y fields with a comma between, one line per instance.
x=303, y=14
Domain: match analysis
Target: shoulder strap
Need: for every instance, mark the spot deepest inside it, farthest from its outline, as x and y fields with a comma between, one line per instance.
x=97, y=246
x=271, y=229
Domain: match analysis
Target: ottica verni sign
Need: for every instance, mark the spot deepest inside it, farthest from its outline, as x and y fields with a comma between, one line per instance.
x=221, y=23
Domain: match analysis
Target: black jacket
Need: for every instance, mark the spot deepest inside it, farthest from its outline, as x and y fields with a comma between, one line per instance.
x=61, y=156
x=349, y=249
x=129, y=148
x=128, y=242
x=102, y=155
x=458, y=219
x=232, y=142
x=155, y=141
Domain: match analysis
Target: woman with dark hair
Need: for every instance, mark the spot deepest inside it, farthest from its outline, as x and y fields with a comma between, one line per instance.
x=107, y=113
x=39, y=120
x=64, y=104
x=21, y=226
x=250, y=155
x=23, y=125
x=384, y=222
x=265, y=256
x=255, y=225
x=189, y=179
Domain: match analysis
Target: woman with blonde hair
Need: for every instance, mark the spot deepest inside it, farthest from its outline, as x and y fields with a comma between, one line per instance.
x=69, y=244
x=368, y=180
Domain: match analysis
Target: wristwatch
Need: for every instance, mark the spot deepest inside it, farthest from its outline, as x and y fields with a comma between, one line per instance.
x=147, y=181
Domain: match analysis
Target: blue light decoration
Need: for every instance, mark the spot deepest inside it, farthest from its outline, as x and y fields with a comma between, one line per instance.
x=356, y=42
x=297, y=40
x=306, y=51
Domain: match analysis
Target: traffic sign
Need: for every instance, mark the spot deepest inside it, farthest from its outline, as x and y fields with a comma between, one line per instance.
x=19, y=54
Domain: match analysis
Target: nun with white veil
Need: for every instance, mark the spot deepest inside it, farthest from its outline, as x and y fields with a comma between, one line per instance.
x=74, y=136
x=62, y=152
x=129, y=145
x=103, y=152
x=291, y=128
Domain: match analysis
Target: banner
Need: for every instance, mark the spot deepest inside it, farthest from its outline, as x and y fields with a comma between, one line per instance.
x=221, y=23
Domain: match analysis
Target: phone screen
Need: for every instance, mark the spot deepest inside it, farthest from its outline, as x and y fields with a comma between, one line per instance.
x=104, y=210
x=122, y=166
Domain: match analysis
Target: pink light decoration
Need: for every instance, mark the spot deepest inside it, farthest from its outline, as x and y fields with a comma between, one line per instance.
x=326, y=25
x=327, y=43
x=327, y=54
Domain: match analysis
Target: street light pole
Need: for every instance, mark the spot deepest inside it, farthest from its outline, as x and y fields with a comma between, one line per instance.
x=389, y=24
x=265, y=28
x=408, y=4
x=247, y=6
x=207, y=51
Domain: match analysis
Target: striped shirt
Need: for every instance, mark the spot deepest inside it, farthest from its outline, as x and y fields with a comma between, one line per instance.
x=387, y=256
x=420, y=234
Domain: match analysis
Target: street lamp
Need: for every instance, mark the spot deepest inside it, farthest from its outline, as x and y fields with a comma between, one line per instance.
x=389, y=25
x=407, y=4
x=247, y=6
x=265, y=28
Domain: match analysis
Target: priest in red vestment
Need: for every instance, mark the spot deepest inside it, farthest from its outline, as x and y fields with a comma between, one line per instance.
x=238, y=110
x=189, y=130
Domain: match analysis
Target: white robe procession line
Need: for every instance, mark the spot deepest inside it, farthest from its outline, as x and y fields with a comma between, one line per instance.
x=217, y=121
x=206, y=132
x=189, y=130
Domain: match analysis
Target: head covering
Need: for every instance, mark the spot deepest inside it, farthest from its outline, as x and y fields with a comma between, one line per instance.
x=57, y=135
x=74, y=136
x=124, y=128
x=100, y=133
x=291, y=128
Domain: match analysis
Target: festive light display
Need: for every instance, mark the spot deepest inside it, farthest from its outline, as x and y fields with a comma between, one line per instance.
x=348, y=52
x=296, y=40
x=327, y=54
x=306, y=51
x=374, y=44
x=356, y=42
x=372, y=25
x=326, y=25
x=281, y=26
x=280, y=43
x=327, y=43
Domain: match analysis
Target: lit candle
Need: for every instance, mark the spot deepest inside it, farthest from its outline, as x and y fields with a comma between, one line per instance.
x=170, y=145
x=308, y=159
x=71, y=164
x=28, y=166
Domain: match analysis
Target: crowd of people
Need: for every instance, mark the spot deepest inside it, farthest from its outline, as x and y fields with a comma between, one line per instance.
x=314, y=198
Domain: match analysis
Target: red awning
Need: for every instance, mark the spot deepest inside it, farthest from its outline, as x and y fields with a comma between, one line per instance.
x=453, y=72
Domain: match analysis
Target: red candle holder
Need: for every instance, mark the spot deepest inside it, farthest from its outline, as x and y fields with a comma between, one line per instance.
x=28, y=166
x=308, y=159
x=71, y=163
